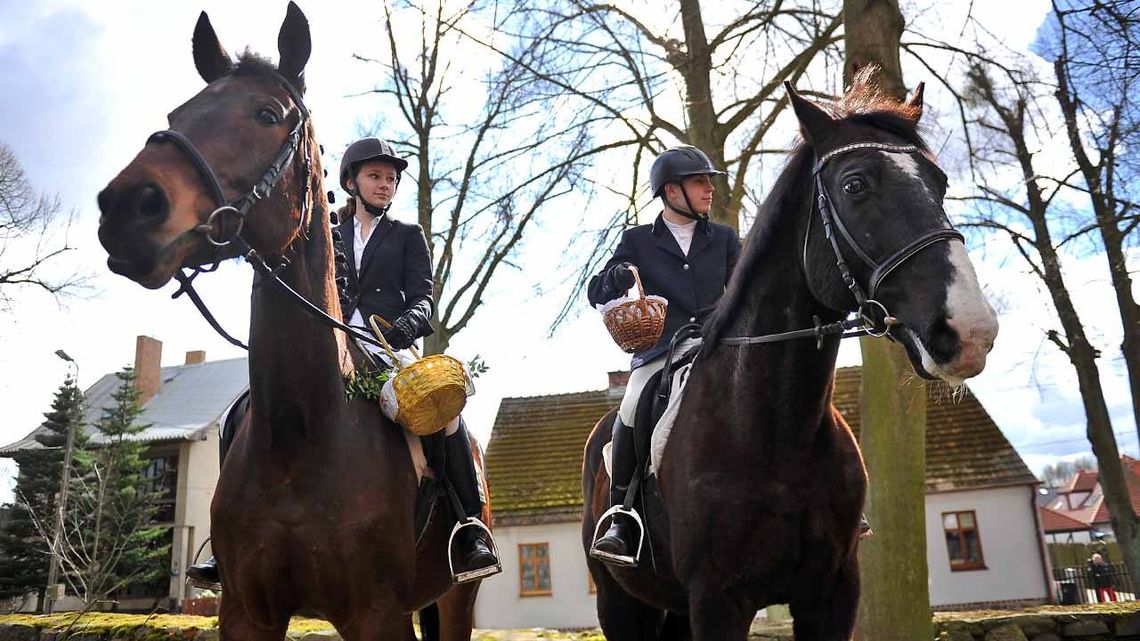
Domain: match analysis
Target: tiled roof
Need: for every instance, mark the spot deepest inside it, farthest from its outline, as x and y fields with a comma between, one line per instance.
x=534, y=458
x=1054, y=521
x=965, y=449
x=1082, y=481
x=191, y=399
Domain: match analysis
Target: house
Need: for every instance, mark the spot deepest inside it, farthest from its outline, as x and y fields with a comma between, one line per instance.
x=984, y=542
x=1077, y=511
x=184, y=405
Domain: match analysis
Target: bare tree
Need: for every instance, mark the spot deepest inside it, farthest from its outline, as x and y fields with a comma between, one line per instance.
x=1010, y=123
x=480, y=182
x=31, y=241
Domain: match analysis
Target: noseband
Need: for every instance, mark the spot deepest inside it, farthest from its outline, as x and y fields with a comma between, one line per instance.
x=872, y=318
x=238, y=208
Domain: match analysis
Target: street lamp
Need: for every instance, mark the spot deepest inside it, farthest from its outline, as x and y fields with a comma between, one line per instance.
x=64, y=482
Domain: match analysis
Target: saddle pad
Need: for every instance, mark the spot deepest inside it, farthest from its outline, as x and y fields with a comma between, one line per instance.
x=665, y=423
x=608, y=458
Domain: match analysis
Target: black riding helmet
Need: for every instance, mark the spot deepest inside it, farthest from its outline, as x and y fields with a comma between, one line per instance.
x=364, y=150
x=676, y=164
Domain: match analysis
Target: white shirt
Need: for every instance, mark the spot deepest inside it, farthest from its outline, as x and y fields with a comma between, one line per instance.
x=360, y=239
x=683, y=233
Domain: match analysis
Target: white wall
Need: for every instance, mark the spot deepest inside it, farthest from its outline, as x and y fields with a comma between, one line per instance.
x=1081, y=536
x=1010, y=547
x=570, y=604
x=197, y=476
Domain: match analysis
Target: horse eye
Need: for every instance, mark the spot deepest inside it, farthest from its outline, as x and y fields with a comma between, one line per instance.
x=268, y=117
x=854, y=186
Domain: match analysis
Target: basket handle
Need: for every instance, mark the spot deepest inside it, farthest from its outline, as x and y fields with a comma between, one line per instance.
x=637, y=280
x=383, y=341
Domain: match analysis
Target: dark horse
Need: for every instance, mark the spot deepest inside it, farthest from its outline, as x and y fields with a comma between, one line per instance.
x=762, y=480
x=314, y=507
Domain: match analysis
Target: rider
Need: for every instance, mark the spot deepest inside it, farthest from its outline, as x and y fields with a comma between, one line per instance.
x=391, y=276
x=684, y=258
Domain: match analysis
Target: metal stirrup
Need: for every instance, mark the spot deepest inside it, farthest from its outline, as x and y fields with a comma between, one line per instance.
x=626, y=561
x=472, y=575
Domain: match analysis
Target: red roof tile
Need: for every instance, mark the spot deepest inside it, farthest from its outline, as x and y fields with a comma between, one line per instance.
x=1054, y=521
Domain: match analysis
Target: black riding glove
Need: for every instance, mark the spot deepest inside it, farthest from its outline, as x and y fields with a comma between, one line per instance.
x=623, y=277
x=402, y=333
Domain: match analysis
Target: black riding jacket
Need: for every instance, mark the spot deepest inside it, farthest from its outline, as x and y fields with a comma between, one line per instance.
x=692, y=284
x=395, y=277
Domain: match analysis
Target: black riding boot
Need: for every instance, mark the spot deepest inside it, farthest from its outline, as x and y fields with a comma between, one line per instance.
x=205, y=575
x=476, y=558
x=618, y=546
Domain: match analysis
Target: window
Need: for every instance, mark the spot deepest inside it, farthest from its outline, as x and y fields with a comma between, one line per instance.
x=963, y=542
x=534, y=569
x=161, y=478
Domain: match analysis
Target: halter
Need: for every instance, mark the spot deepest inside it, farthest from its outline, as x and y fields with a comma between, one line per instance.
x=238, y=208
x=873, y=318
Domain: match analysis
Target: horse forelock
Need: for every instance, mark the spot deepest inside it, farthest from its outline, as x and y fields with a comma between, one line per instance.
x=251, y=63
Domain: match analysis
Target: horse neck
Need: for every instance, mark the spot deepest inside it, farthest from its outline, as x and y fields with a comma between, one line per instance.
x=297, y=362
x=789, y=381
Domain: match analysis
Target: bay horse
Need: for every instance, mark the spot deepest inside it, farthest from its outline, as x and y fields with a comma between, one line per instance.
x=314, y=506
x=762, y=480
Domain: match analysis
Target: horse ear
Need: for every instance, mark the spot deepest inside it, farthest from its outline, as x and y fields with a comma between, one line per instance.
x=294, y=44
x=814, y=121
x=914, y=103
x=210, y=58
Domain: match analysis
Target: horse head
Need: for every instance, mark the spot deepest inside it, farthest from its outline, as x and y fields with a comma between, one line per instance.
x=881, y=192
x=210, y=176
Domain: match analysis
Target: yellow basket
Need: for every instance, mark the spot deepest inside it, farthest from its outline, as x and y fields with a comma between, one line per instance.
x=430, y=392
x=637, y=325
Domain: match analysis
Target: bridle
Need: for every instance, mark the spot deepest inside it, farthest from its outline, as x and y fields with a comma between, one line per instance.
x=238, y=208
x=872, y=317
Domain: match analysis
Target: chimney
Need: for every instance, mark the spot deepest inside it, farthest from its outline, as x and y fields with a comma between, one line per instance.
x=195, y=357
x=618, y=380
x=148, y=367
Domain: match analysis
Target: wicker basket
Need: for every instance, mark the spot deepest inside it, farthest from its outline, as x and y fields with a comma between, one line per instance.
x=636, y=325
x=429, y=392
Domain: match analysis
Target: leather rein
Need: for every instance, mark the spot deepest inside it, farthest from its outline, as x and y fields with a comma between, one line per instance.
x=238, y=208
x=871, y=317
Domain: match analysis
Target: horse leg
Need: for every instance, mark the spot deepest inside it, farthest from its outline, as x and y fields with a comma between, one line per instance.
x=235, y=624
x=676, y=628
x=621, y=616
x=456, y=613
x=376, y=622
x=716, y=616
x=829, y=616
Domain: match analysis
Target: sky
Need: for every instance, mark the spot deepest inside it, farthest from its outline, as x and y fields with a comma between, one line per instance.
x=86, y=83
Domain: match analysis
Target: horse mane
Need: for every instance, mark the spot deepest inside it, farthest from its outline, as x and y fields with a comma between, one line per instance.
x=251, y=63
x=865, y=104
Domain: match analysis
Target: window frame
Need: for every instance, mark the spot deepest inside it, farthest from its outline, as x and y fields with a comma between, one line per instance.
x=965, y=565
x=533, y=562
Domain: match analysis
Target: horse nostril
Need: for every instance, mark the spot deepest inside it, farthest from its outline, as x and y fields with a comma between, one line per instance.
x=106, y=200
x=944, y=343
x=152, y=202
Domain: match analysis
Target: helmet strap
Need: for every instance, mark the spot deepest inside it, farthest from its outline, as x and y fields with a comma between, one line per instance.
x=688, y=211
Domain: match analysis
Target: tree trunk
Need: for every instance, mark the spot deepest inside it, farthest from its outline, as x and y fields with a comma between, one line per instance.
x=1103, y=202
x=895, y=603
x=695, y=66
x=896, y=597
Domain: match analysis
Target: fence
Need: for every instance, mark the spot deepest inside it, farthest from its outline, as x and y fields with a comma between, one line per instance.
x=1077, y=585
